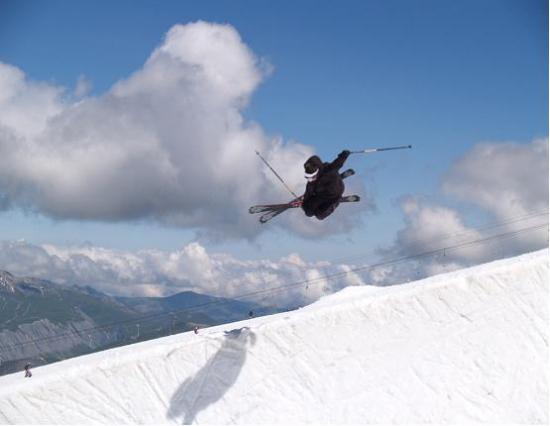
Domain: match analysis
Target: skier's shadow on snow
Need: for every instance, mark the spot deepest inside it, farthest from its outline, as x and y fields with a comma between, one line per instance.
x=214, y=379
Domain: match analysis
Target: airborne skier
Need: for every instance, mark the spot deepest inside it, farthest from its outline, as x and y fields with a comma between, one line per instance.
x=325, y=186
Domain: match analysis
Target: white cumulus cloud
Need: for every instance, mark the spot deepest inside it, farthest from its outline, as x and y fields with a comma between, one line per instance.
x=169, y=143
x=508, y=182
x=506, y=179
x=289, y=281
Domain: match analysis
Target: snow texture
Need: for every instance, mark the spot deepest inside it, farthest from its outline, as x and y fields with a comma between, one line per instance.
x=467, y=346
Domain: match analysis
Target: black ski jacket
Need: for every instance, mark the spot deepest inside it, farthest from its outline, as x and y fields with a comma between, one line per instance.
x=329, y=185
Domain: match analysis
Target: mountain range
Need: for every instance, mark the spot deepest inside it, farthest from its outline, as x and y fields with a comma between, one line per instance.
x=43, y=322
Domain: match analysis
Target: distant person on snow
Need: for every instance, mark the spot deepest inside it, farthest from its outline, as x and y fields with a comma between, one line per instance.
x=28, y=370
x=325, y=186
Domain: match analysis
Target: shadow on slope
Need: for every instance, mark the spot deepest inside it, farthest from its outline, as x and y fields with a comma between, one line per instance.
x=214, y=379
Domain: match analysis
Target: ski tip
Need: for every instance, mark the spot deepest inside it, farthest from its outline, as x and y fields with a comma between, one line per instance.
x=350, y=198
x=347, y=173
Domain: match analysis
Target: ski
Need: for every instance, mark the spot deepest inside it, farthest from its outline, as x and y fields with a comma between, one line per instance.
x=350, y=199
x=270, y=207
x=277, y=207
x=347, y=173
x=270, y=215
x=298, y=203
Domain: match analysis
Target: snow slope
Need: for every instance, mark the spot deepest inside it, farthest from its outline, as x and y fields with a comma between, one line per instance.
x=468, y=346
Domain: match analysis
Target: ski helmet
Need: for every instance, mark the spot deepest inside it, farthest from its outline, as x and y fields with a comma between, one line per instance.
x=311, y=167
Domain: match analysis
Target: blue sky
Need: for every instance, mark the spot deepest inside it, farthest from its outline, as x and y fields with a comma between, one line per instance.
x=440, y=75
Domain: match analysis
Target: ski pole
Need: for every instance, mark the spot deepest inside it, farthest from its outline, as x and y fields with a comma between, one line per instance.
x=276, y=174
x=371, y=150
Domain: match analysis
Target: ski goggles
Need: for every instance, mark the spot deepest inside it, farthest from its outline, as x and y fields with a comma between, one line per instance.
x=311, y=176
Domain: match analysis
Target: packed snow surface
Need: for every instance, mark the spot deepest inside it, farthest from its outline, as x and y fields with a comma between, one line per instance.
x=467, y=346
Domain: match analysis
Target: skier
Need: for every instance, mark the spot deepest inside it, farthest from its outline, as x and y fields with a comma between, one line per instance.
x=325, y=185
x=324, y=189
x=28, y=370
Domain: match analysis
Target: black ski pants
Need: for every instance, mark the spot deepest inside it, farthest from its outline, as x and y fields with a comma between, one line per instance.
x=319, y=207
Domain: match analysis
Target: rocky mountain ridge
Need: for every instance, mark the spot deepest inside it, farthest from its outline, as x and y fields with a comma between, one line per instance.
x=42, y=321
